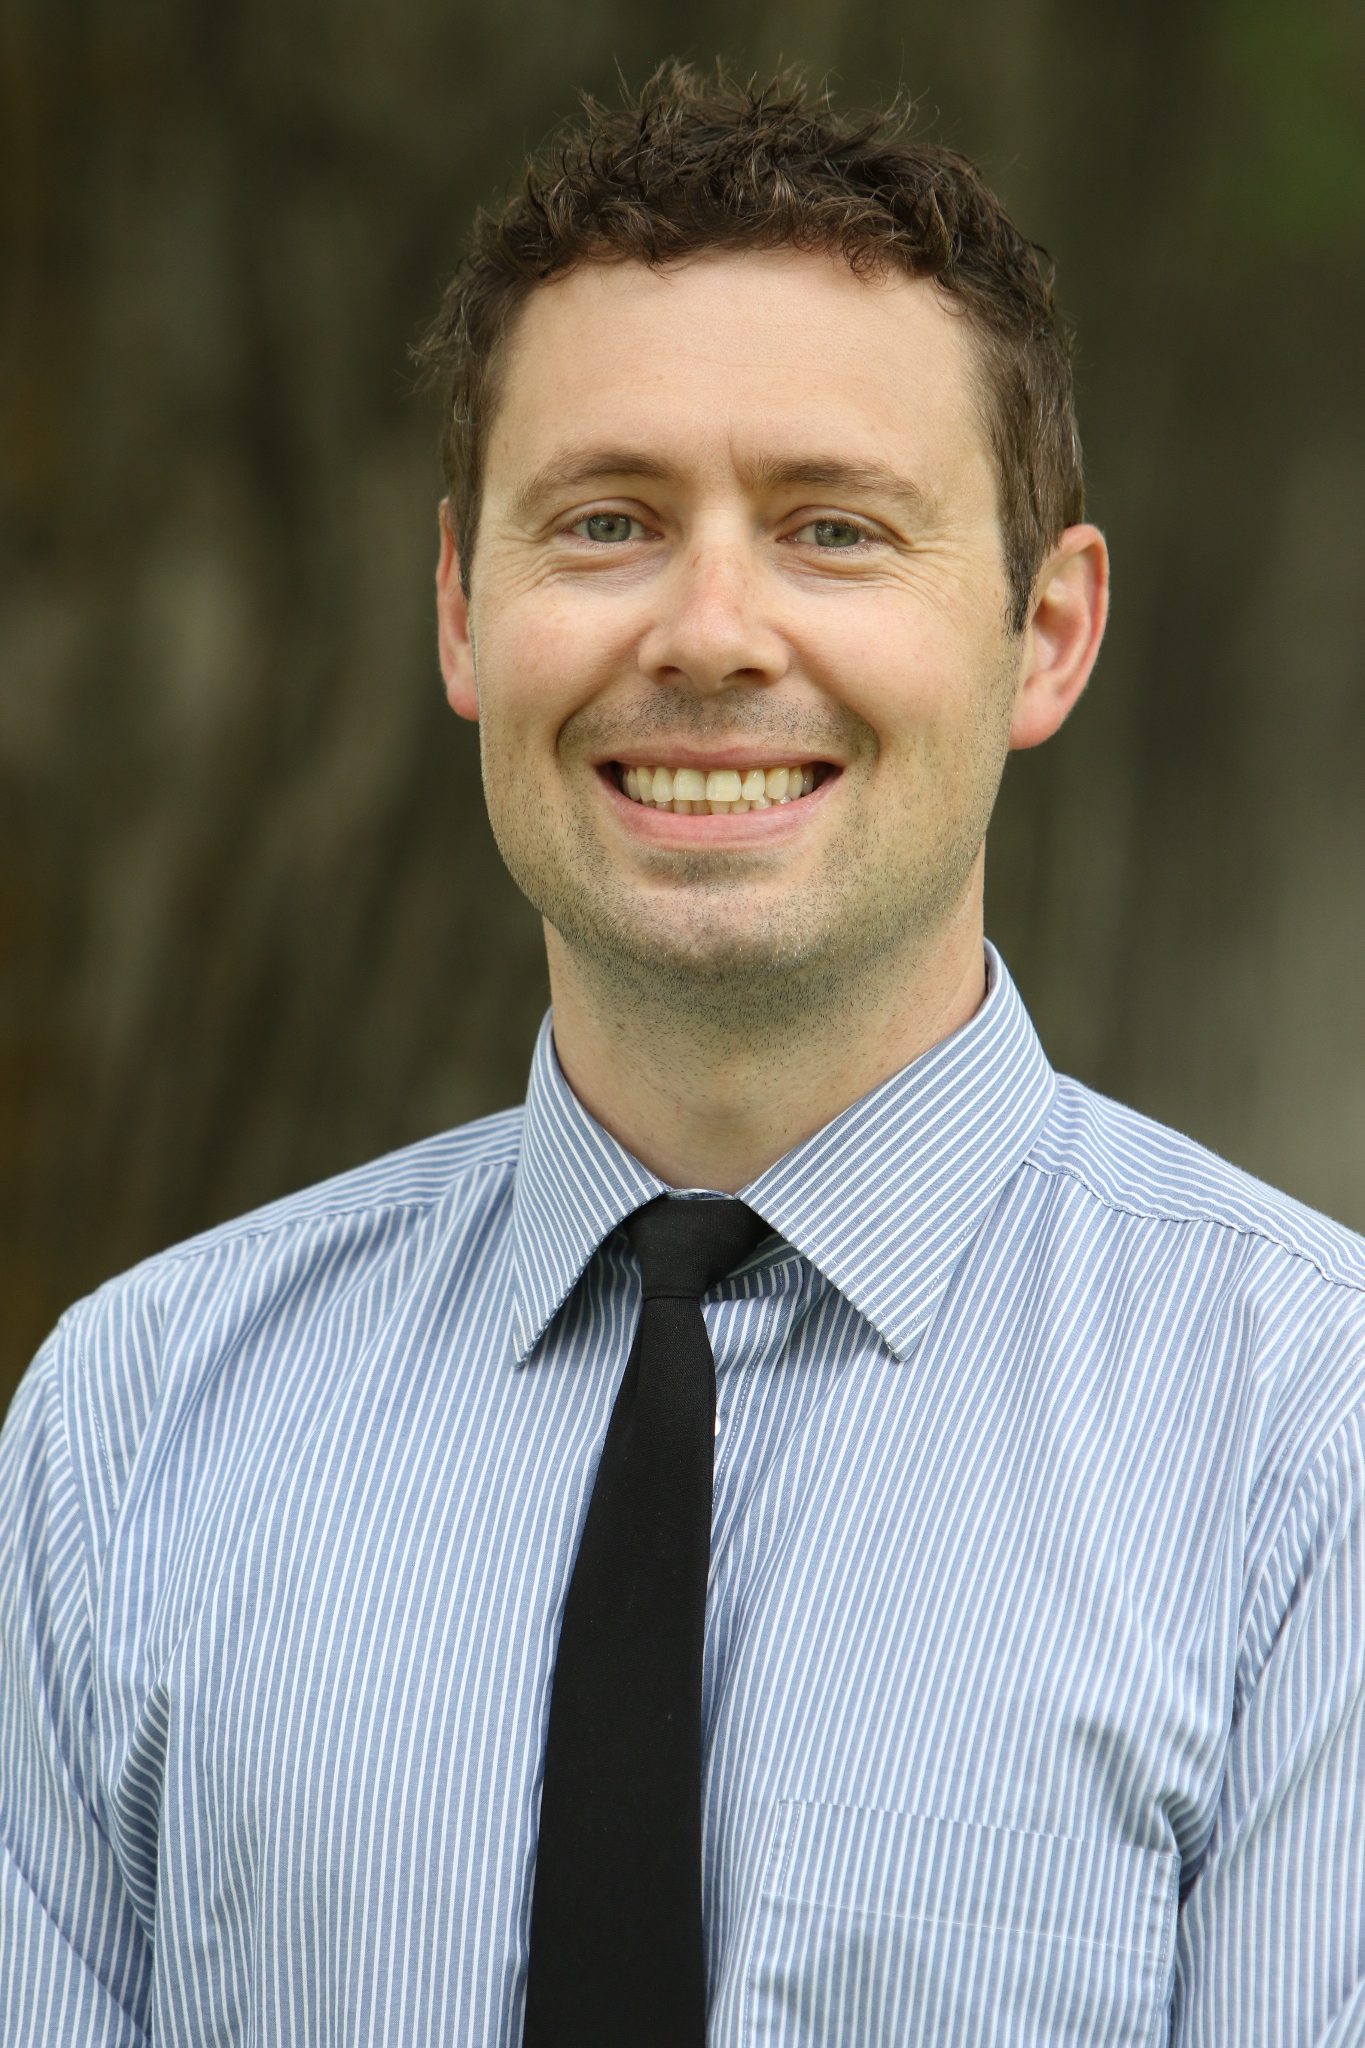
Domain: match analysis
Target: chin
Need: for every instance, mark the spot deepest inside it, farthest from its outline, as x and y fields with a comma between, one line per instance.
x=658, y=962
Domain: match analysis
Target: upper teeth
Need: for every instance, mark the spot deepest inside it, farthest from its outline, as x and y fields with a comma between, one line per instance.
x=743, y=788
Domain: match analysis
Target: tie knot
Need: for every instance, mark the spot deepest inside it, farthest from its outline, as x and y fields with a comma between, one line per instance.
x=685, y=1246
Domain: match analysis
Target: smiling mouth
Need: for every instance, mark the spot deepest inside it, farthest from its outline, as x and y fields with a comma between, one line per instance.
x=718, y=790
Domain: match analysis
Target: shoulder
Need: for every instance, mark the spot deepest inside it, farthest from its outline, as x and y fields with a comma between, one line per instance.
x=1133, y=1166
x=1268, y=1292
x=250, y=1296
x=363, y=1204
x=413, y=1178
x=362, y=1213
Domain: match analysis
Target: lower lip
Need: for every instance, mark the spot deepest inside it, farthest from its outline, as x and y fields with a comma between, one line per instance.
x=693, y=829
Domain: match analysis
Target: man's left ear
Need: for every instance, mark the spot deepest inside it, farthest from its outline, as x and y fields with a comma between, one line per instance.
x=1070, y=606
x=453, y=642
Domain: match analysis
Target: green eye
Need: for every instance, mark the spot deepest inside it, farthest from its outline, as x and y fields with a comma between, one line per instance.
x=852, y=535
x=621, y=522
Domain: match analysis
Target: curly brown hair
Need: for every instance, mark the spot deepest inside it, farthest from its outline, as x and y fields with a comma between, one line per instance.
x=696, y=162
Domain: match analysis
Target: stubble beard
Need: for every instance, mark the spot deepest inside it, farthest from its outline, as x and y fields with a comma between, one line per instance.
x=688, y=968
x=844, y=944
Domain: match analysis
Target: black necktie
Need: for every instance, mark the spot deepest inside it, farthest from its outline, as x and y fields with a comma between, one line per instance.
x=616, y=1955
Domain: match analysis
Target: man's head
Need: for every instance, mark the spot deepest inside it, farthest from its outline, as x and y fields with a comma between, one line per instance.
x=703, y=165
x=738, y=504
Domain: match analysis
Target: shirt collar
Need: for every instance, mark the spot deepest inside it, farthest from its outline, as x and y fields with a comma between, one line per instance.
x=881, y=1200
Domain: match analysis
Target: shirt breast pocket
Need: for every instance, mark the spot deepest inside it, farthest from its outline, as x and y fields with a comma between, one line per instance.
x=878, y=1928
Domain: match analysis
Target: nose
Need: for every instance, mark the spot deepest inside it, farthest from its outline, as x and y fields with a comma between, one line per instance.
x=713, y=628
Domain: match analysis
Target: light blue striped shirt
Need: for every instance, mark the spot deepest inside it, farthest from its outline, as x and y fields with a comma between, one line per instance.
x=1034, y=1700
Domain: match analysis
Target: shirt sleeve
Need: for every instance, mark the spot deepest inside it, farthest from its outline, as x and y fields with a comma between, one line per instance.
x=75, y=1962
x=1271, y=1939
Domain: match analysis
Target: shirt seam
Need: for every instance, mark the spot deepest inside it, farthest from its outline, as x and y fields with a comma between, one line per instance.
x=1307, y=1494
x=1022, y=1929
x=230, y=1234
x=64, y=1390
x=92, y=1564
x=1157, y=1215
x=952, y=1820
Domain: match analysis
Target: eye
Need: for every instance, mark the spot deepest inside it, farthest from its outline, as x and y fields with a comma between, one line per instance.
x=618, y=525
x=837, y=536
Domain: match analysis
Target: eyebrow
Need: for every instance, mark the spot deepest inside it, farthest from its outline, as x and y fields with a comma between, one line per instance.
x=569, y=470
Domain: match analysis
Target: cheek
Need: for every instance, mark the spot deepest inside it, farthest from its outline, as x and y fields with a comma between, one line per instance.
x=525, y=679
x=543, y=659
x=939, y=710
x=893, y=674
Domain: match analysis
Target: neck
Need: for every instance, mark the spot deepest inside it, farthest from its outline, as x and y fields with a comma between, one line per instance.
x=705, y=1103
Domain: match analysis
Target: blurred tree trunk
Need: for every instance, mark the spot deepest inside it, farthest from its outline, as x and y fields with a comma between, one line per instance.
x=255, y=928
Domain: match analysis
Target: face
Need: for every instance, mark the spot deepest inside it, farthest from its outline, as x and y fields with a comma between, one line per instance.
x=740, y=515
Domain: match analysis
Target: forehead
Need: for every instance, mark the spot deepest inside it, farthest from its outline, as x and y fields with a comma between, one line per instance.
x=733, y=357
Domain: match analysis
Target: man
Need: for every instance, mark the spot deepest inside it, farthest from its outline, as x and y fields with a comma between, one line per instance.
x=366, y=1676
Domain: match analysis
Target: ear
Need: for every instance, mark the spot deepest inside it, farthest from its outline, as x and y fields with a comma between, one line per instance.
x=452, y=624
x=1070, y=606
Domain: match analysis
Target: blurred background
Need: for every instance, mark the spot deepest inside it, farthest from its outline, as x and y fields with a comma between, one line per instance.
x=254, y=926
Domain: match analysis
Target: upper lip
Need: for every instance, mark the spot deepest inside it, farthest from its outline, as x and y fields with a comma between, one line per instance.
x=663, y=755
